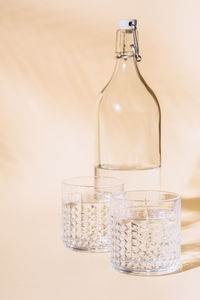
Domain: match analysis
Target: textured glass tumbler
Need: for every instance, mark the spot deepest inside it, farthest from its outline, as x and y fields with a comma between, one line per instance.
x=145, y=232
x=85, y=212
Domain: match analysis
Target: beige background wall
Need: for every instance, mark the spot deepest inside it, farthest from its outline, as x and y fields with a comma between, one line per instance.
x=55, y=56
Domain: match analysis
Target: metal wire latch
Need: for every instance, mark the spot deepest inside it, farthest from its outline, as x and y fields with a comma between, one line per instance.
x=135, y=46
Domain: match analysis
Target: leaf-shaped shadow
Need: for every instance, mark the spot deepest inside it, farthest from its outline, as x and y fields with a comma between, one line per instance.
x=190, y=256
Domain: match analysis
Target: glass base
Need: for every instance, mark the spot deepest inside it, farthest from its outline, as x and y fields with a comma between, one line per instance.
x=148, y=272
x=84, y=249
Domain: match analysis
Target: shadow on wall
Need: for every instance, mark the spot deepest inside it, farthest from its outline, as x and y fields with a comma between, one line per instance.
x=8, y=159
x=191, y=212
x=190, y=251
x=190, y=256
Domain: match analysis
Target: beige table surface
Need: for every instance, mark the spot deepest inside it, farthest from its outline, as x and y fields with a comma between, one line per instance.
x=35, y=264
x=55, y=56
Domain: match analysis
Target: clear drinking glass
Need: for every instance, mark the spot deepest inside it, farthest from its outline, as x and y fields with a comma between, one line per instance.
x=85, y=212
x=145, y=232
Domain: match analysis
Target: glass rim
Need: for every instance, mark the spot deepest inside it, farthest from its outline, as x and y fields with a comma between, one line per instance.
x=175, y=196
x=66, y=182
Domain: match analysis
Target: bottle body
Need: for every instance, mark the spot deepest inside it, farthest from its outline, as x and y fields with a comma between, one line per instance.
x=129, y=126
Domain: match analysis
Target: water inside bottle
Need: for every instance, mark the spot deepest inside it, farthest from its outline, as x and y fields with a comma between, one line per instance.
x=135, y=177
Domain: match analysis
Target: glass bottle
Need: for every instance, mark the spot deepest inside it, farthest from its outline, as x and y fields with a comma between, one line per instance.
x=129, y=119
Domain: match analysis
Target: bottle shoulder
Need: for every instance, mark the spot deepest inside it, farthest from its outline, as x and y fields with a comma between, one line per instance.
x=128, y=89
x=128, y=96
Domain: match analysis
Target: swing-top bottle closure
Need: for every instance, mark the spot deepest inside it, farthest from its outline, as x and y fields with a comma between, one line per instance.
x=129, y=26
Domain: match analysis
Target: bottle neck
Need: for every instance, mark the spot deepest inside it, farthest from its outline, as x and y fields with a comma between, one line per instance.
x=127, y=56
x=125, y=68
x=127, y=44
x=125, y=59
x=124, y=40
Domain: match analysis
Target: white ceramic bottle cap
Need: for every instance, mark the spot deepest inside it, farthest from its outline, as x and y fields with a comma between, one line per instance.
x=126, y=23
